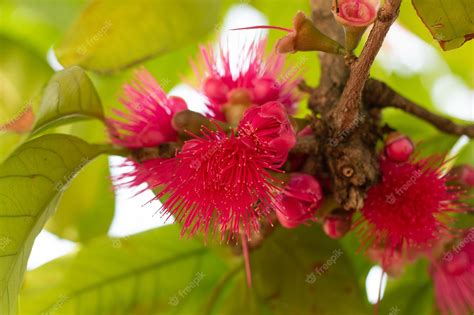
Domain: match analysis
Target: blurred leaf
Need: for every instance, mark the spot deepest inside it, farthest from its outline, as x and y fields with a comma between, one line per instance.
x=459, y=60
x=22, y=76
x=466, y=155
x=417, y=129
x=31, y=181
x=111, y=35
x=410, y=294
x=141, y=274
x=439, y=143
x=148, y=272
x=283, y=270
x=449, y=21
x=38, y=24
x=82, y=218
x=69, y=95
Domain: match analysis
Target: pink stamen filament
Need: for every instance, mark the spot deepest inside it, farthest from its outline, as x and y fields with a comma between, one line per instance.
x=289, y=30
x=245, y=252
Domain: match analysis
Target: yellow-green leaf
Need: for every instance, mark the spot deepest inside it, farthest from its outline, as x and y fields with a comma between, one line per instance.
x=451, y=22
x=31, y=183
x=110, y=35
x=69, y=96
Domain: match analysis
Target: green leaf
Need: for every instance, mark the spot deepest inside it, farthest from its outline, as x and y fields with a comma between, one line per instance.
x=18, y=91
x=111, y=35
x=69, y=96
x=451, y=22
x=456, y=59
x=82, y=218
x=283, y=270
x=147, y=272
x=466, y=155
x=31, y=182
x=134, y=275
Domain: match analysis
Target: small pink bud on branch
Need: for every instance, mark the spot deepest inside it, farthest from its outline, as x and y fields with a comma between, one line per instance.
x=355, y=16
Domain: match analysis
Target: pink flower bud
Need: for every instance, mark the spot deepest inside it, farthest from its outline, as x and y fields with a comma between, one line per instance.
x=265, y=90
x=356, y=13
x=337, y=223
x=215, y=89
x=300, y=200
x=177, y=104
x=398, y=148
x=269, y=123
x=355, y=16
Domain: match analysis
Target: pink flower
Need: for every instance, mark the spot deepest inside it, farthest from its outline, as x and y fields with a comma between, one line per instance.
x=356, y=13
x=453, y=277
x=147, y=120
x=221, y=181
x=255, y=81
x=300, y=200
x=269, y=123
x=409, y=207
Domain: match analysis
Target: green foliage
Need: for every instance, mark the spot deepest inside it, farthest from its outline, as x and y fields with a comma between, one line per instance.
x=69, y=96
x=153, y=273
x=109, y=36
x=40, y=169
x=449, y=21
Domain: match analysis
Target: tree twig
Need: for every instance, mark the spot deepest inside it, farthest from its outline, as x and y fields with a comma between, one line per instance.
x=379, y=94
x=349, y=105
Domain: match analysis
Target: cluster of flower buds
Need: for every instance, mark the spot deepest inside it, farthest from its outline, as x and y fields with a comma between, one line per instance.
x=225, y=174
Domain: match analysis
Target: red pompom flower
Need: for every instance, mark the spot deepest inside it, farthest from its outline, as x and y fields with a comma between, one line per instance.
x=409, y=207
x=249, y=80
x=224, y=181
x=453, y=277
x=147, y=120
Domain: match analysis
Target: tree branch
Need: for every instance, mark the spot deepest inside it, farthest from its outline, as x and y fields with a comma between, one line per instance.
x=349, y=105
x=379, y=94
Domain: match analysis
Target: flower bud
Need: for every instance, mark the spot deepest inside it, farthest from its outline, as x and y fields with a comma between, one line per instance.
x=300, y=200
x=355, y=16
x=337, y=223
x=215, y=89
x=177, y=104
x=306, y=37
x=398, y=147
x=265, y=90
